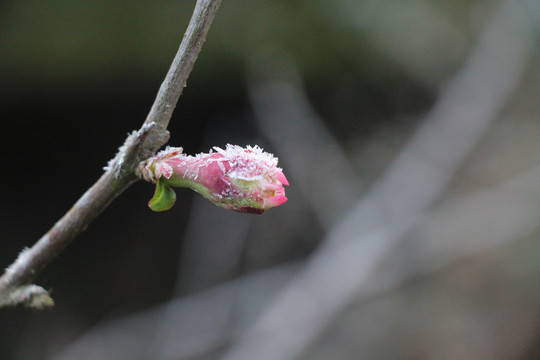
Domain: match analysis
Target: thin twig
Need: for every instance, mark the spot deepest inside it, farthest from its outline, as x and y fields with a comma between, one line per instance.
x=120, y=173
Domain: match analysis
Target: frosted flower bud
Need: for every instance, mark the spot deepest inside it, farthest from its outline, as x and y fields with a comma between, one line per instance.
x=241, y=179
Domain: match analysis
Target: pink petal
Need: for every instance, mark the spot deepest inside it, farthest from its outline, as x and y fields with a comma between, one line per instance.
x=281, y=177
x=274, y=201
x=272, y=187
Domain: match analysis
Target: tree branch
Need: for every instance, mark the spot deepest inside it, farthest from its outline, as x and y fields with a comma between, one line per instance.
x=121, y=172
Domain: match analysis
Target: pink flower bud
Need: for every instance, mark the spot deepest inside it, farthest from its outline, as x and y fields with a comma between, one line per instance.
x=241, y=179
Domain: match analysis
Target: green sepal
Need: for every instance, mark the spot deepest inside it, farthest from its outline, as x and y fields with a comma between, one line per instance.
x=164, y=197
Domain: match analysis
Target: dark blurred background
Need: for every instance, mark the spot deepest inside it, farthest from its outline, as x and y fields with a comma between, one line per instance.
x=409, y=131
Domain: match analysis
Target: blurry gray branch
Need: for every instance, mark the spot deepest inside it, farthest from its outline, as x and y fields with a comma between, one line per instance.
x=354, y=248
x=279, y=313
x=182, y=329
x=121, y=172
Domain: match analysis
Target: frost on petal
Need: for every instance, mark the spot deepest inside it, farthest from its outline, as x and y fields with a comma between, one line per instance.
x=164, y=169
x=241, y=179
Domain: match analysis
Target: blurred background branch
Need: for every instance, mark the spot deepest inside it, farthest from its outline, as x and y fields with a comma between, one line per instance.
x=416, y=178
x=409, y=133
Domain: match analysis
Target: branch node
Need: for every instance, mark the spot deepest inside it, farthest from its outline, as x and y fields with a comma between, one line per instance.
x=30, y=296
x=148, y=136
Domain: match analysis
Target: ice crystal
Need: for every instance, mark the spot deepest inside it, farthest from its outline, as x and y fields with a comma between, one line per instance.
x=242, y=179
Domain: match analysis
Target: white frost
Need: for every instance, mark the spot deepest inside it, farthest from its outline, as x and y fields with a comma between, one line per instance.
x=22, y=260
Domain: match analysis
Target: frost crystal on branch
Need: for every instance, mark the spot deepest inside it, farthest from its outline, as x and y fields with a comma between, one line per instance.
x=241, y=179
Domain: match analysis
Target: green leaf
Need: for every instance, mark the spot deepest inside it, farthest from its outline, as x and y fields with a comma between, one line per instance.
x=164, y=197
